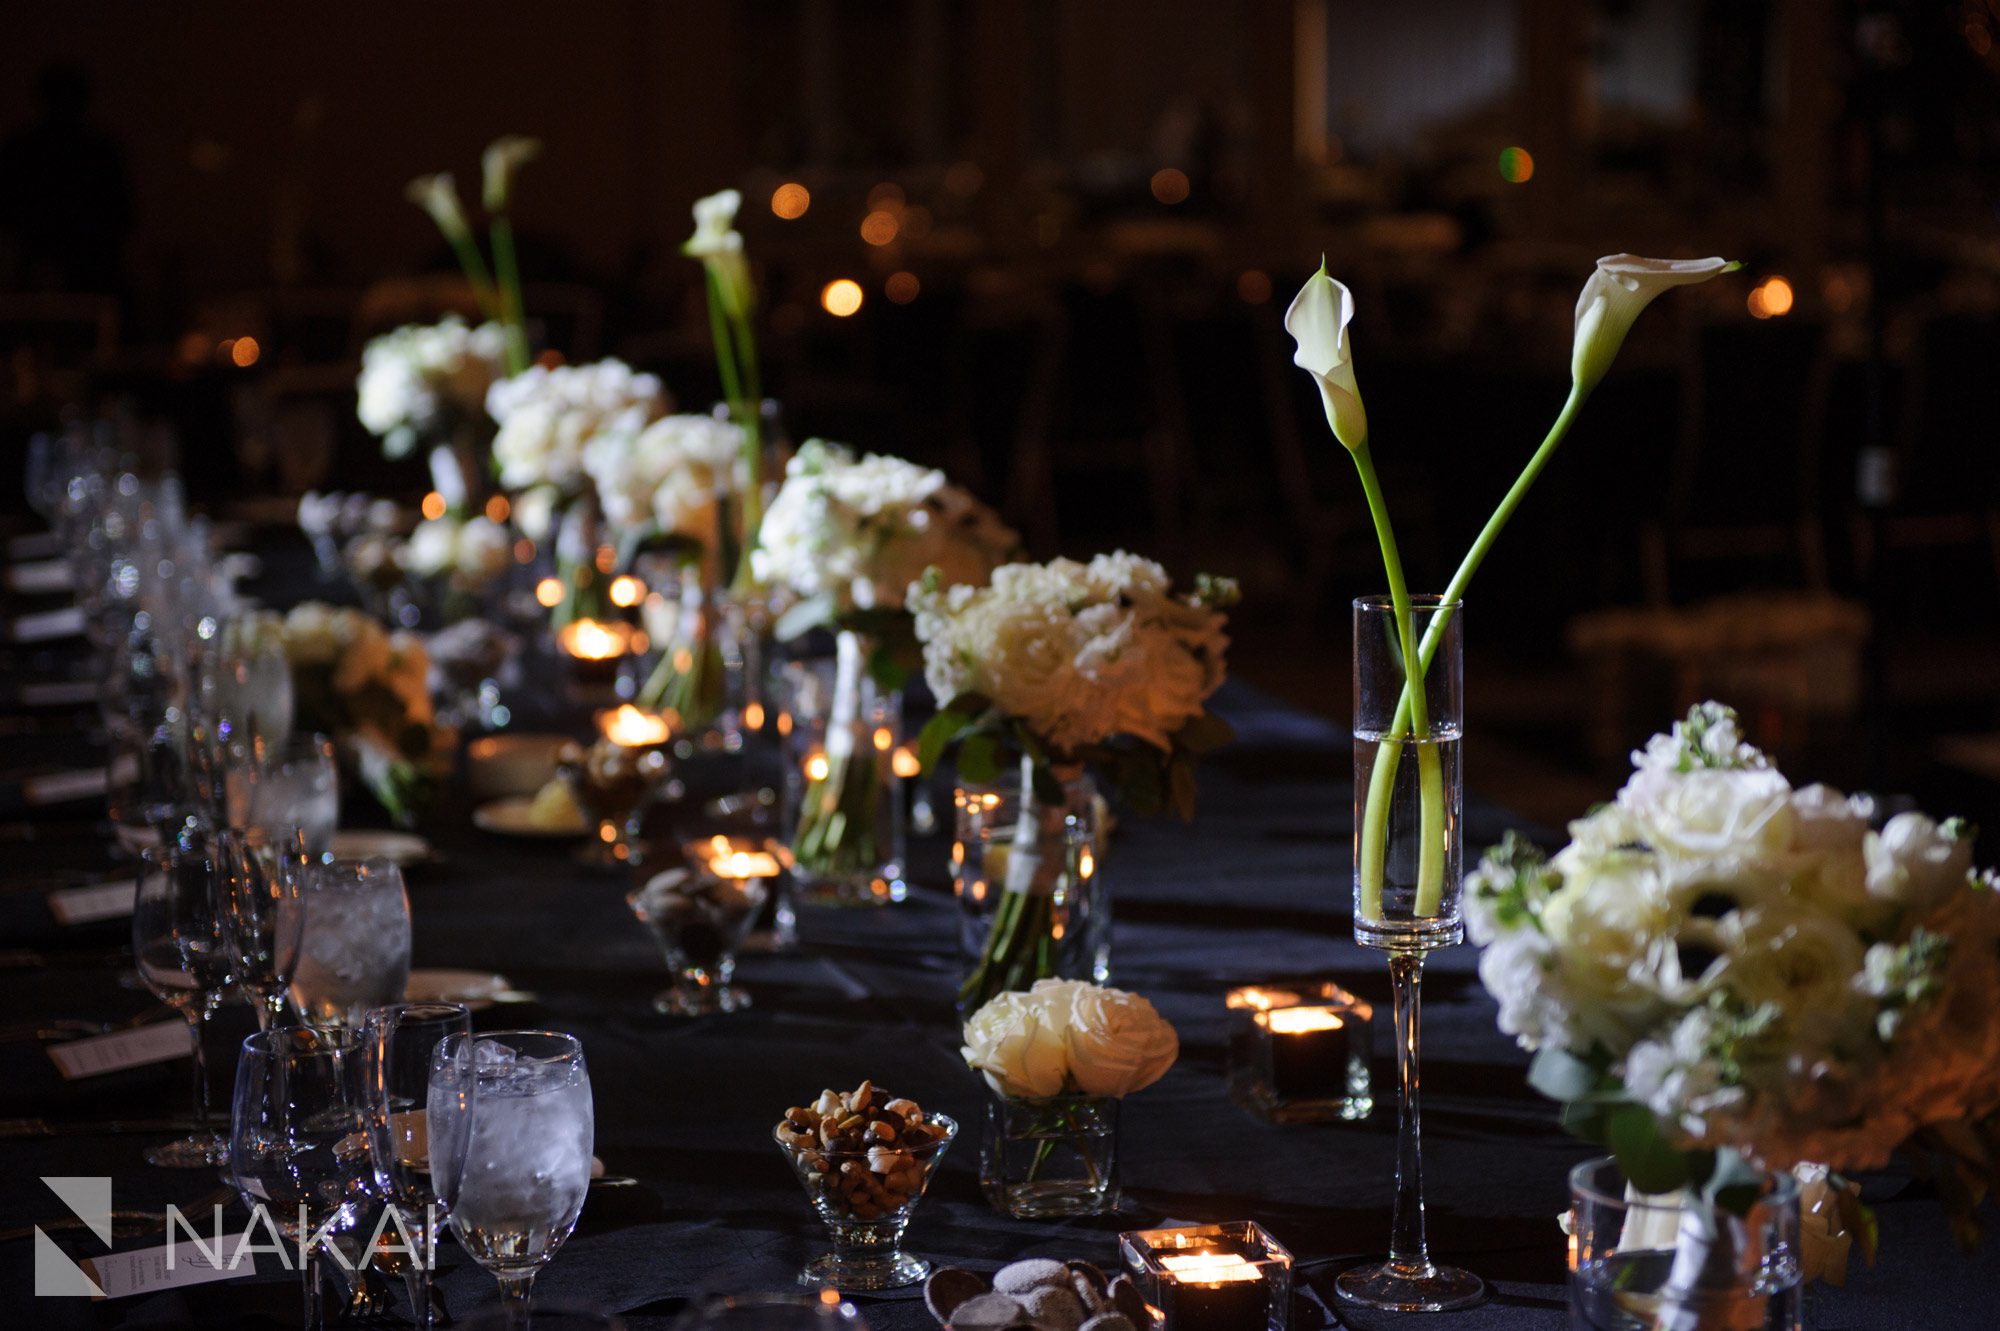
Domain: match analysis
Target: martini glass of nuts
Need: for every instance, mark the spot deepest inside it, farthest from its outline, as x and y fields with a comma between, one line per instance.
x=864, y=1158
x=612, y=783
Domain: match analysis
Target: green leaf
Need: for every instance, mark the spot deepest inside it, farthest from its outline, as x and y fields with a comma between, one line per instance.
x=1561, y=1075
x=1204, y=733
x=1142, y=784
x=979, y=759
x=951, y=721
x=816, y=612
x=1648, y=1160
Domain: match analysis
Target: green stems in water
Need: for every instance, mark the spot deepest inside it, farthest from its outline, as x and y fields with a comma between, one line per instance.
x=513, y=318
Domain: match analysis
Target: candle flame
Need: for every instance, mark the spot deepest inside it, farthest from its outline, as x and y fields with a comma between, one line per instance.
x=1208, y=1268
x=1300, y=1020
x=817, y=767
x=744, y=864
x=589, y=640
x=631, y=728
x=1261, y=999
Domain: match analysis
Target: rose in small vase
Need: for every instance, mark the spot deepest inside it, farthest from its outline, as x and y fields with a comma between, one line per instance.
x=1059, y=1058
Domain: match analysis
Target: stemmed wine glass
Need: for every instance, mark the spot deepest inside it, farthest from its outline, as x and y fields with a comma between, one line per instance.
x=183, y=958
x=261, y=897
x=356, y=953
x=1408, y=880
x=398, y=1042
x=511, y=1131
x=297, y=1143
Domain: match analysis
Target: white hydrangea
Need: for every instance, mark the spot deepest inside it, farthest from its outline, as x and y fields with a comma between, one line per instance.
x=674, y=472
x=548, y=417
x=859, y=531
x=416, y=378
x=1079, y=652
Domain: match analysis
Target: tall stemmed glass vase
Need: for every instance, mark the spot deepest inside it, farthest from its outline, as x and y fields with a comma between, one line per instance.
x=1408, y=880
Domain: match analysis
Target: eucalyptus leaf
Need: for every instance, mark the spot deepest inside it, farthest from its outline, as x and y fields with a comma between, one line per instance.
x=1561, y=1075
x=1648, y=1160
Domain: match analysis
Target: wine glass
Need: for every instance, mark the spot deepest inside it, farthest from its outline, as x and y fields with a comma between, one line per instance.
x=356, y=952
x=511, y=1132
x=149, y=792
x=1408, y=881
x=261, y=885
x=397, y=1044
x=295, y=781
x=183, y=958
x=297, y=1139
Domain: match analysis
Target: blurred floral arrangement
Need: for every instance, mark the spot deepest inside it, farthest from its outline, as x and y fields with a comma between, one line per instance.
x=1723, y=972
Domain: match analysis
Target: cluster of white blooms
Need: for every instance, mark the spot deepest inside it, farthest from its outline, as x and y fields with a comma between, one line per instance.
x=1761, y=968
x=360, y=659
x=858, y=531
x=476, y=550
x=416, y=379
x=1069, y=1037
x=673, y=472
x=548, y=417
x=1078, y=652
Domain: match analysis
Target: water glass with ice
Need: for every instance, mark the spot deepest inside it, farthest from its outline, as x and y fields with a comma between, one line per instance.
x=356, y=951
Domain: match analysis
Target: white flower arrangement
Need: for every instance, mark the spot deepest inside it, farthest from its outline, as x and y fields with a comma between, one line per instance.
x=1720, y=963
x=1069, y=1037
x=473, y=551
x=548, y=417
x=850, y=534
x=420, y=378
x=672, y=474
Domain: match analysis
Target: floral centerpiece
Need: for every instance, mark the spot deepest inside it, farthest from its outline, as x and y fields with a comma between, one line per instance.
x=422, y=381
x=369, y=689
x=1059, y=1057
x=1723, y=973
x=1061, y=666
x=849, y=536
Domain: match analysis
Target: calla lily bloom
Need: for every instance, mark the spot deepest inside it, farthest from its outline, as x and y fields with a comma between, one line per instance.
x=1622, y=286
x=502, y=158
x=718, y=244
x=438, y=196
x=1317, y=321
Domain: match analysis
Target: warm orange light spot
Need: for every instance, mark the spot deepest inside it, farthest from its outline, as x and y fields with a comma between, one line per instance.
x=1259, y=999
x=1253, y=286
x=1086, y=863
x=879, y=227
x=589, y=640
x=1208, y=1268
x=902, y=288
x=1300, y=1020
x=606, y=832
x=790, y=200
x=817, y=767
x=524, y=553
x=1170, y=185
x=1771, y=299
x=1517, y=165
x=632, y=728
x=784, y=723
x=549, y=591
x=245, y=352
x=194, y=346
x=904, y=763
x=433, y=506
x=841, y=297
x=683, y=660
x=627, y=590
x=607, y=559
x=745, y=864
x=753, y=716
x=884, y=737
x=498, y=509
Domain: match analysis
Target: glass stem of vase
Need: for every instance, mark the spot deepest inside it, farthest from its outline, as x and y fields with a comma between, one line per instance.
x=1407, y=1247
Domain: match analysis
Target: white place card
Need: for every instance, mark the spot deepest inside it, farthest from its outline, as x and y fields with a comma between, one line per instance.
x=158, y=1043
x=39, y=578
x=62, y=787
x=145, y=1270
x=49, y=625
x=34, y=545
x=88, y=905
x=60, y=693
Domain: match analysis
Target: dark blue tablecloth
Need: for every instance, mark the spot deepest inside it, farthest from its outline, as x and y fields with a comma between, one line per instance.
x=1255, y=889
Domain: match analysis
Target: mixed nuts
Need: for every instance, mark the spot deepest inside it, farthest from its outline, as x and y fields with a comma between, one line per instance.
x=862, y=1154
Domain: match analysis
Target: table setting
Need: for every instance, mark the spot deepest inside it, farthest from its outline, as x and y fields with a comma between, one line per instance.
x=670, y=876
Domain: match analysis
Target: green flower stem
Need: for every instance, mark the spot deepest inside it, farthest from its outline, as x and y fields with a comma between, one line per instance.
x=836, y=833
x=1387, y=753
x=512, y=315
x=736, y=366
x=474, y=266
x=1415, y=718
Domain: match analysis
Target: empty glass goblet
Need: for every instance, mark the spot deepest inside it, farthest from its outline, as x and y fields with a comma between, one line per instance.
x=867, y=1222
x=701, y=921
x=184, y=959
x=398, y=1043
x=260, y=881
x=356, y=953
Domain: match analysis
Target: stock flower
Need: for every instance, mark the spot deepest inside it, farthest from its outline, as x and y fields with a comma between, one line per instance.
x=1622, y=286
x=438, y=196
x=718, y=244
x=502, y=158
x=1317, y=321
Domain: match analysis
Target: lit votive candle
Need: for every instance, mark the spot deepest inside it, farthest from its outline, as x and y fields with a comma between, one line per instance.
x=595, y=640
x=632, y=727
x=749, y=860
x=1298, y=1053
x=1226, y=1277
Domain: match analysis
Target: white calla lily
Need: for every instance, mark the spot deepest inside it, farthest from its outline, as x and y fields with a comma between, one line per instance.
x=438, y=196
x=502, y=158
x=1317, y=321
x=1622, y=286
x=718, y=244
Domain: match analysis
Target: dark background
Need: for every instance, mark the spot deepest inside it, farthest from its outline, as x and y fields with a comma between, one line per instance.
x=1105, y=205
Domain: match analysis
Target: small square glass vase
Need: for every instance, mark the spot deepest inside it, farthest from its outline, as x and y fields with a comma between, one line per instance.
x=1231, y=1276
x=1053, y=1157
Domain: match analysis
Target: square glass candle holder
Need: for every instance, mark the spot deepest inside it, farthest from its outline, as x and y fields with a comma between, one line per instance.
x=1231, y=1276
x=1298, y=1053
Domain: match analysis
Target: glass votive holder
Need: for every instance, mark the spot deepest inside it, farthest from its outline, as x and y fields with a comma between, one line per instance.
x=1298, y=1053
x=769, y=862
x=1231, y=1276
x=700, y=921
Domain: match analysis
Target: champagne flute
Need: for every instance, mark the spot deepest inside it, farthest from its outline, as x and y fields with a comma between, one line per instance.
x=261, y=886
x=511, y=1132
x=183, y=958
x=397, y=1044
x=297, y=1140
x=356, y=953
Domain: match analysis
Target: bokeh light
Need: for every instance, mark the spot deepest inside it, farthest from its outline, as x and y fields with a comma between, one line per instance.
x=433, y=505
x=245, y=352
x=1170, y=185
x=498, y=509
x=1770, y=299
x=841, y=297
x=1517, y=165
x=902, y=288
x=790, y=200
x=879, y=227
x=627, y=591
x=1253, y=286
x=549, y=592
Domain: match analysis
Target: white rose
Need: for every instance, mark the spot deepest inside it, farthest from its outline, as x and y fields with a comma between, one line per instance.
x=1913, y=864
x=1829, y=830
x=1710, y=811
x=1017, y=1043
x=1118, y=1043
x=484, y=550
x=1802, y=961
x=432, y=547
x=1609, y=928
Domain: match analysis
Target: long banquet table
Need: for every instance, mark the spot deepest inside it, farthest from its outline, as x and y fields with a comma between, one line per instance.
x=702, y=1201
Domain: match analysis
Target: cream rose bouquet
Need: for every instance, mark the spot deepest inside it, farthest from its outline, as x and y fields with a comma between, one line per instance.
x=421, y=381
x=1067, y=665
x=369, y=688
x=1721, y=967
